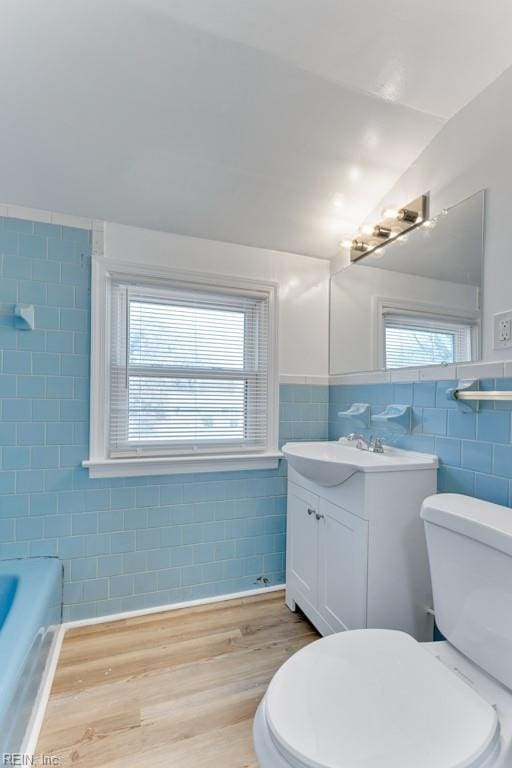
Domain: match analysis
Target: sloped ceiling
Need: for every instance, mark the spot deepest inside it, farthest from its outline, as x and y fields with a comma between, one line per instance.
x=236, y=120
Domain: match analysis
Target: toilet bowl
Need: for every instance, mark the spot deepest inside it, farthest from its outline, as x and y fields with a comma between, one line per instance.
x=377, y=698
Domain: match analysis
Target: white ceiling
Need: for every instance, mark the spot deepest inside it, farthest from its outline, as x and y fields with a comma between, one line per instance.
x=235, y=120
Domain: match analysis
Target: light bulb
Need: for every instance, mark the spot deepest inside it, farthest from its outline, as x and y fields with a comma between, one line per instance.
x=381, y=232
x=338, y=200
x=346, y=244
x=390, y=213
x=366, y=229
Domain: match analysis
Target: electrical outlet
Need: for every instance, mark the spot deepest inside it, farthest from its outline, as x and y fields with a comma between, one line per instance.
x=503, y=330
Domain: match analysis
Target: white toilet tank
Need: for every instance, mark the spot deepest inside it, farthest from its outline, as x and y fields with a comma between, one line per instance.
x=470, y=552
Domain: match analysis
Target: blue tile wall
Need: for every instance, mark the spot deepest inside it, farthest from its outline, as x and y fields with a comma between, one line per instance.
x=141, y=542
x=474, y=449
x=127, y=543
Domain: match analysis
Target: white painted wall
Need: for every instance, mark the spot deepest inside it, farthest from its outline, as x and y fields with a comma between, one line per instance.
x=474, y=151
x=352, y=320
x=303, y=285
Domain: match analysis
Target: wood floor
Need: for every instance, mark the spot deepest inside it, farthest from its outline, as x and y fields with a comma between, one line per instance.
x=176, y=689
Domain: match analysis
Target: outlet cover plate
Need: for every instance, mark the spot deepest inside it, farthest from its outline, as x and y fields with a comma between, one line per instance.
x=503, y=330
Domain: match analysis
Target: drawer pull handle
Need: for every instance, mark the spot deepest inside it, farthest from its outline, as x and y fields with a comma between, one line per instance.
x=319, y=516
x=311, y=511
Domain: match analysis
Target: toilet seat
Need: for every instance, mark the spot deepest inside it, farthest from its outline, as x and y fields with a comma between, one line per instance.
x=376, y=699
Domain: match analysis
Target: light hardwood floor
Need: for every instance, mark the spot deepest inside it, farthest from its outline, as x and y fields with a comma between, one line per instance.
x=176, y=689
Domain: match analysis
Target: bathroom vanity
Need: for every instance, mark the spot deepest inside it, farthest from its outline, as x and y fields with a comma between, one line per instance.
x=356, y=551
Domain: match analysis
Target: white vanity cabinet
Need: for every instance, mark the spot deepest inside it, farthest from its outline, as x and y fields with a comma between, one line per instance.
x=327, y=561
x=356, y=552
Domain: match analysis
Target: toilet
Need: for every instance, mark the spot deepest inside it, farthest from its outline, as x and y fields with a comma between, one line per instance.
x=375, y=698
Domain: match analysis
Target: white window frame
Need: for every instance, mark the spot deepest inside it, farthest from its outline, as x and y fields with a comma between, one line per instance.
x=100, y=464
x=384, y=305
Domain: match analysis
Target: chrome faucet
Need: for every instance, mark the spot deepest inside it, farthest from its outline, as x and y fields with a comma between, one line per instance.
x=362, y=443
x=374, y=444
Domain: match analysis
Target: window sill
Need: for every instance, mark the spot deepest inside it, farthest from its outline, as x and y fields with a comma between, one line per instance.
x=177, y=465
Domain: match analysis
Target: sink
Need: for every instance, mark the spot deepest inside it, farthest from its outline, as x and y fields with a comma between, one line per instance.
x=331, y=463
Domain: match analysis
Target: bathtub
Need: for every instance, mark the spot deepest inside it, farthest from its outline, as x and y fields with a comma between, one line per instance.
x=30, y=615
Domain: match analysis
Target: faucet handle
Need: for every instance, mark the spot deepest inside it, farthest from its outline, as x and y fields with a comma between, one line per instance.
x=377, y=445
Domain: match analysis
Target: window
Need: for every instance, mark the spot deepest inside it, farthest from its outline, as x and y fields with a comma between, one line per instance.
x=190, y=376
x=415, y=340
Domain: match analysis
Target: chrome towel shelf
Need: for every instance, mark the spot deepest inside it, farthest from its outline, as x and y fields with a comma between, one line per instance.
x=493, y=394
x=468, y=396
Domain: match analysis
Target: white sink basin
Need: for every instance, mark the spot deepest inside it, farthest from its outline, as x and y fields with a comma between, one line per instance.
x=331, y=463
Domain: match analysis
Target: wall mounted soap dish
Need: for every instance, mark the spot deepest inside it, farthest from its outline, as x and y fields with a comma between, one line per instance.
x=394, y=417
x=24, y=317
x=358, y=415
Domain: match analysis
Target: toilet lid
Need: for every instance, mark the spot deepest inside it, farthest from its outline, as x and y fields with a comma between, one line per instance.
x=376, y=699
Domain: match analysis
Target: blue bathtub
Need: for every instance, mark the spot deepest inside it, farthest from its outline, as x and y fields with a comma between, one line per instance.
x=30, y=614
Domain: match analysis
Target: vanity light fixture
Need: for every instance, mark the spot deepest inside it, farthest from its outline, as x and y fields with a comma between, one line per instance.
x=394, y=225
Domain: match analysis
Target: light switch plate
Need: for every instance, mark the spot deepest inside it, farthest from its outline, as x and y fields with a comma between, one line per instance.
x=503, y=330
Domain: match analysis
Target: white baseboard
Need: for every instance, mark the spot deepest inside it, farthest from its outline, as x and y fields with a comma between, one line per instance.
x=39, y=709
x=170, y=607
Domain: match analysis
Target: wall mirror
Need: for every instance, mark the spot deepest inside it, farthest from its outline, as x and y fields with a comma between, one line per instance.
x=415, y=302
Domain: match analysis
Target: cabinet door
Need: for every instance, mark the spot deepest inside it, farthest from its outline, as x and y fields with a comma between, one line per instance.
x=302, y=543
x=343, y=556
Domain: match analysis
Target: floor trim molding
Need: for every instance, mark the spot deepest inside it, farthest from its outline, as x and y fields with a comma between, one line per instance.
x=170, y=607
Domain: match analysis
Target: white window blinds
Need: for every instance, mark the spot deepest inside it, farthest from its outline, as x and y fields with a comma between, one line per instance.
x=414, y=340
x=189, y=370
